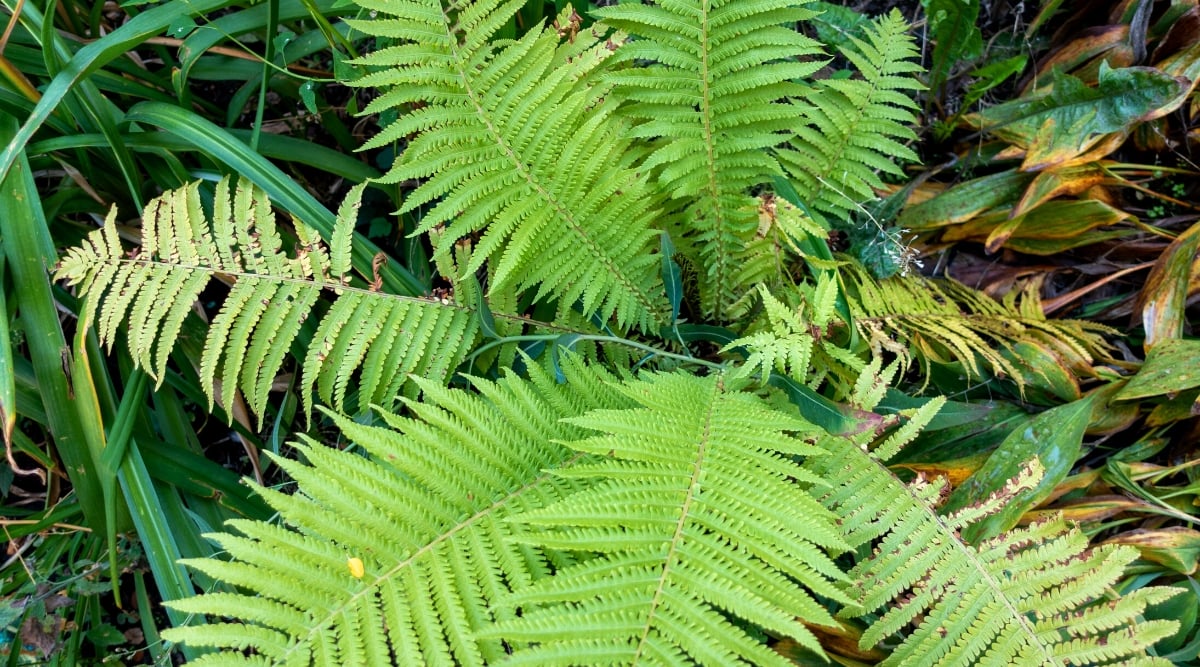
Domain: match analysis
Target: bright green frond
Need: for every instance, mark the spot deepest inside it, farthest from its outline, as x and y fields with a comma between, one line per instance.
x=853, y=129
x=700, y=514
x=520, y=155
x=425, y=515
x=1021, y=598
x=381, y=337
x=709, y=103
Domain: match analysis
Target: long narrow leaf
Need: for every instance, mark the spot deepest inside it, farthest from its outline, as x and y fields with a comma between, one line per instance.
x=94, y=56
x=26, y=238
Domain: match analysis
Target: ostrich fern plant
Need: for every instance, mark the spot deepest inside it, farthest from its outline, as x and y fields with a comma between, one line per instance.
x=589, y=488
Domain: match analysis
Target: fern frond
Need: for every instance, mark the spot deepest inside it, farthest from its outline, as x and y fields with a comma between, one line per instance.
x=927, y=320
x=427, y=514
x=1033, y=596
x=854, y=129
x=520, y=150
x=700, y=514
x=709, y=104
x=380, y=337
x=770, y=257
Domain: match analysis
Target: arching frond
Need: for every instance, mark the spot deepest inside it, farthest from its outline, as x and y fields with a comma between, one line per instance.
x=927, y=320
x=400, y=556
x=521, y=153
x=376, y=339
x=706, y=95
x=853, y=129
x=1035, y=595
x=700, y=516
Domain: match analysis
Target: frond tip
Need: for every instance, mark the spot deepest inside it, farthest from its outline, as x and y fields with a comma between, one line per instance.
x=380, y=339
x=855, y=129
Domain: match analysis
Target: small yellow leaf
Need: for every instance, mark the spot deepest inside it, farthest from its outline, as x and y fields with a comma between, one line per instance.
x=356, y=567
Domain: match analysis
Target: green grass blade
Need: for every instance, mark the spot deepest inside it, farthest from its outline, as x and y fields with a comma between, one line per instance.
x=150, y=518
x=30, y=254
x=94, y=56
x=91, y=108
x=8, y=374
x=276, y=146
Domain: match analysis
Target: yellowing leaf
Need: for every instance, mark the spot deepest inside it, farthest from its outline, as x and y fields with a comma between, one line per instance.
x=1059, y=181
x=1063, y=221
x=1121, y=99
x=1176, y=547
x=1165, y=293
x=1171, y=366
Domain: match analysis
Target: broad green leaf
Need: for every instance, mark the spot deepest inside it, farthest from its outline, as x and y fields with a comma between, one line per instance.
x=1054, y=438
x=1183, y=608
x=1183, y=406
x=672, y=275
x=835, y=418
x=953, y=413
x=992, y=75
x=1171, y=366
x=1042, y=372
x=1121, y=99
x=965, y=201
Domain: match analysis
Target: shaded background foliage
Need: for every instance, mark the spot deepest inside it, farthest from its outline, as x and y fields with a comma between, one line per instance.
x=1088, y=216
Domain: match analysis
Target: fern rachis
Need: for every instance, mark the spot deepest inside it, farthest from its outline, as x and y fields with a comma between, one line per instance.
x=271, y=297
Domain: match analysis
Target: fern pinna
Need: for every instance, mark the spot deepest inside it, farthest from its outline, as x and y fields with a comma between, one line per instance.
x=374, y=337
x=1035, y=595
x=700, y=515
x=427, y=517
x=852, y=129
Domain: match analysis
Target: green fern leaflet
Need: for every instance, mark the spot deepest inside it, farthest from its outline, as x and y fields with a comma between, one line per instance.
x=427, y=517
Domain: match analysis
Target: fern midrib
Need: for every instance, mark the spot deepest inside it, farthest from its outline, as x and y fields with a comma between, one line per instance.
x=721, y=267
x=684, y=516
x=319, y=284
x=562, y=211
x=971, y=556
x=370, y=588
x=339, y=287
